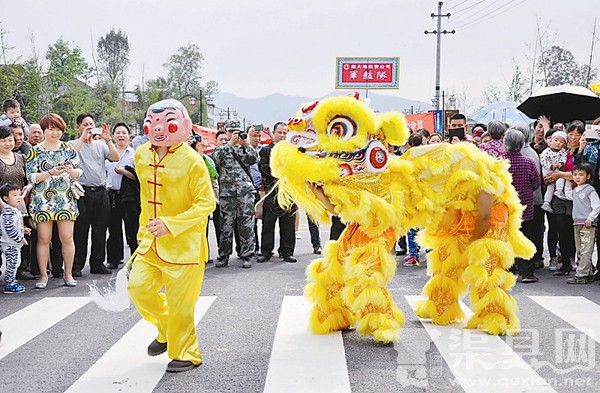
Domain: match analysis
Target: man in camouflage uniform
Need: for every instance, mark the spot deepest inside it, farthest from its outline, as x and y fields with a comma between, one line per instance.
x=236, y=195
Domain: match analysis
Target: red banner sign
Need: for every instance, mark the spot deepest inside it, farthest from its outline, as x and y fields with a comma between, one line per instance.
x=367, y=72
x=421, y=120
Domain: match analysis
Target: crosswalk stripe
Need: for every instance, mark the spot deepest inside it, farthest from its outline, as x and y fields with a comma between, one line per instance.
x=302, y=361
x=480, y=361
x=126, y=367
x=575, y=310
x=25, y=324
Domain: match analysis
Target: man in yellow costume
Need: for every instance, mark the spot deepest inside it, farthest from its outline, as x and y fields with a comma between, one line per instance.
x=176, y=197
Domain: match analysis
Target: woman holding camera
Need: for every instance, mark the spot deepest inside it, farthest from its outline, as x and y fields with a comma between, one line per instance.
x=52, y=166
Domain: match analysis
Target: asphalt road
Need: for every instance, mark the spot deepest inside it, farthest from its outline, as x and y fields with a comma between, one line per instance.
x=238, y=329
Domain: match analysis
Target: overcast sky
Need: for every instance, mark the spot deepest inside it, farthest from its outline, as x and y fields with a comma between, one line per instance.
x=253, y=48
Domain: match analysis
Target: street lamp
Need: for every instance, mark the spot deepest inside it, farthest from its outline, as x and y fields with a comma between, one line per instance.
x=452, y=100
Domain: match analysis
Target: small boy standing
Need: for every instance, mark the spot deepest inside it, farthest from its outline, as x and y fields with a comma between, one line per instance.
x=12, y=116
x=11, y=238
x=586, y=208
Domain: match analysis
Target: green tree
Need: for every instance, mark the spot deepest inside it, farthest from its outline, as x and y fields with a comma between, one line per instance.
x=31, y=92
x=517, y=88
x=113, y=54
x=559, y=67
x=67, y=66
x=155, y=90
x=492, y=94
x=67, y=77
x=183, y=68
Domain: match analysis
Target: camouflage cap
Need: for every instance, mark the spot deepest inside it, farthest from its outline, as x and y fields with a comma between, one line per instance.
x=233, y=125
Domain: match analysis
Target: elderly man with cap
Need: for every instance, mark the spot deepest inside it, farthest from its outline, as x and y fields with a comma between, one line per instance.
x=236, y=195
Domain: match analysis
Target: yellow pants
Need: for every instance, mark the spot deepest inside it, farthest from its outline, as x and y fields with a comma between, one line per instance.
x=175, y=318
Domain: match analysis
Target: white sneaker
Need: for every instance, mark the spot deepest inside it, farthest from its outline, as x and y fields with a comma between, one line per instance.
x=546, y=207
x=553, y=264
x=298, y=236
x=560, y=194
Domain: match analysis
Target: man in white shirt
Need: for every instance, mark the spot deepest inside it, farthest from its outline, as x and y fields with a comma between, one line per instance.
x=94, y=208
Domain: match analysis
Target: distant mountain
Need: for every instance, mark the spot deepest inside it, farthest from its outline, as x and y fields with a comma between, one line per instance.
x=278, y=107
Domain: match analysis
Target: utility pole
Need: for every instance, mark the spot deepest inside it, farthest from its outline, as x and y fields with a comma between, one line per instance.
x=439, y=33
x=589, y=73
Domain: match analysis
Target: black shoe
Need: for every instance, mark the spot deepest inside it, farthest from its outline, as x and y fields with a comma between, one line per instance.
x=102, y=270
x=263, y=258
x=317, y=250
x=24, y=276
x=290, y=259
x=401, y=251
x=222, y=263
x=209, y=261
x=112, y=266
x=156, y=348
x=177, y=366
x=76, y=273
x=246, y=263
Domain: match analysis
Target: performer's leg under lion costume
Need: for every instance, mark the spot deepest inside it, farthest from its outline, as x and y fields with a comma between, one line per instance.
x=341, y=145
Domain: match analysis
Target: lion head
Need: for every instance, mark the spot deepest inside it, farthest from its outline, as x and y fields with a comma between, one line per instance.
x=338, y=142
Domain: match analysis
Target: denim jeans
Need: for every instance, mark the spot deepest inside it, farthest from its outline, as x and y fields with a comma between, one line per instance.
x=413, y=247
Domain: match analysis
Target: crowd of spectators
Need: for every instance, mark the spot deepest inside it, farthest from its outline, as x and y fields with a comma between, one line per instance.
x=68, y=190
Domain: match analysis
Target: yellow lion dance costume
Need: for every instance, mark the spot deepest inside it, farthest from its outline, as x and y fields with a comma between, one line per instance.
x=341, y=144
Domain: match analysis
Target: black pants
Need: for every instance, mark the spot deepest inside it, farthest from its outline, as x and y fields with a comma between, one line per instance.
x=537, y=233
x=216, y=216
x=337, y=227
x=553, y=233
x=315, y=237
x=129, y=213
x=56, y=260
x=402, y=243
x=94, y=212
x=527, y=266
x=566, y=237
x=287, y=228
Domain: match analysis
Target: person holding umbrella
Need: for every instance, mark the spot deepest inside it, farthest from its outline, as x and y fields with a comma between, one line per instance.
x=540, y=127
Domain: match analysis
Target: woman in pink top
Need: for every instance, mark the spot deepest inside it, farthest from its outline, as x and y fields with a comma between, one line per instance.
x=562, y=220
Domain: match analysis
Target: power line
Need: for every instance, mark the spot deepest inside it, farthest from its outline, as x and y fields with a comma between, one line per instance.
x=468, y=7
x=456, y=5
x=465, y=12
x=491, y=15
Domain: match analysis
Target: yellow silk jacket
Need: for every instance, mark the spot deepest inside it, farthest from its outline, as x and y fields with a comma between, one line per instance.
x=177, y=190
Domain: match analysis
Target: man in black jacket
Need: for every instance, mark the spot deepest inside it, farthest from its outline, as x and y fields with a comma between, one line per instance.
x=271, y=209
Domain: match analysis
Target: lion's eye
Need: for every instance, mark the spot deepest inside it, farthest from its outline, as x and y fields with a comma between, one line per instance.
x=342, y=127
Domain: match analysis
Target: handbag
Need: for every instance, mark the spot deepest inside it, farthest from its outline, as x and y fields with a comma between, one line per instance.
x=258, y=207
x=77, y=189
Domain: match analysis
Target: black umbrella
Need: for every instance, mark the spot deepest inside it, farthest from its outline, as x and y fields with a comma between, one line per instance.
x=562, y=103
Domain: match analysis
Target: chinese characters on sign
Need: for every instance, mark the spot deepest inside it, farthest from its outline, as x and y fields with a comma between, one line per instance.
x=367, y=72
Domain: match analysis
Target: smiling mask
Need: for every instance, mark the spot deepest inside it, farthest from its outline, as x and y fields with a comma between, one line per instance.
x=167, y=123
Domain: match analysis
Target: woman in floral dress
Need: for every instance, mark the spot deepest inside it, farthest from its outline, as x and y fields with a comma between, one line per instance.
x=52, y=166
